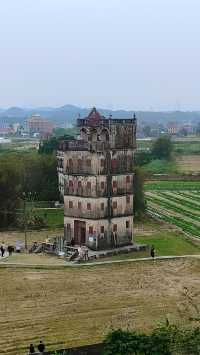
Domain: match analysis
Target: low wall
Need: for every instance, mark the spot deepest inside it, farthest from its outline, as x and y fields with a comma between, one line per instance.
x=94, y=349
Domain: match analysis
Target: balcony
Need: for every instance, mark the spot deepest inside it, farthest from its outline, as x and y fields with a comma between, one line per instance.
x=96, y=213
x=83, y=122
x=85, y=192
x=81, y=145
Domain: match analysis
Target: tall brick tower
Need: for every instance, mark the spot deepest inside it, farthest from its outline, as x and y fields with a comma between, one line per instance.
x=96, y=179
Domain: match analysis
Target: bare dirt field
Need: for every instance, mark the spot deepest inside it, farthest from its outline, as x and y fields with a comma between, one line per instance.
x=188, y=163
x=78, y=306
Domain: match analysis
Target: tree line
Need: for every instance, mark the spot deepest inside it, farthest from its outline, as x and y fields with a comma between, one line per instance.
x=162, y=149
x=164, y=340
x=23, y=174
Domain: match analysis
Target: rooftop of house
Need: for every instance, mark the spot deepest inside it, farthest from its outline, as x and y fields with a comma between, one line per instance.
x=95, y=119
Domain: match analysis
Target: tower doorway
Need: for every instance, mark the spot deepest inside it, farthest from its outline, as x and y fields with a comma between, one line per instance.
x=79, y=232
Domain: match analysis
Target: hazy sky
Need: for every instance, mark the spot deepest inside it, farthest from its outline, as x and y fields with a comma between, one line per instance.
x=134, y=54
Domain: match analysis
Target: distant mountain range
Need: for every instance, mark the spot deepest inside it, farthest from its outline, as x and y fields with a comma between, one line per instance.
x=69, y=113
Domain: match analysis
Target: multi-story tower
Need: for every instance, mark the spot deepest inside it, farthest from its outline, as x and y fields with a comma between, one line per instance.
x=96, y=178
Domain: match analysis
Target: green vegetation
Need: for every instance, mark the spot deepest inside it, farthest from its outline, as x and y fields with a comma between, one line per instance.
x=165, y=242
x=159, y=166
x=164, y=340
x=48, y=146
x=142, y=157
x=53, y=217
x=183, y=146
x=138, y=191
x=169, y=243
x=184, y=213
x=10, y=188
x=25, y=173
x=172, y=185
x=61, y=132
x=162, y=148
x=157, y=158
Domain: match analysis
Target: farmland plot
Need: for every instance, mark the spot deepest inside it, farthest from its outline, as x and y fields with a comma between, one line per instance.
x=173, y=185
x=180, y=208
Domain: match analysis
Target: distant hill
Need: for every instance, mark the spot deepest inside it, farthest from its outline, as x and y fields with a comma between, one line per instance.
x=69, y=113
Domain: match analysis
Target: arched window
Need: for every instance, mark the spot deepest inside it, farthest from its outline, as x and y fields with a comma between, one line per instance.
x=93, y=135
x=104, y=135
x=84, y=135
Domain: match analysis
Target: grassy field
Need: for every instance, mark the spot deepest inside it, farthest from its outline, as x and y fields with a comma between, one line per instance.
x=177, y=208
x=54, y=217
x=78, y=306
x=158, y=166
x=181, y=164
x=186, y=156
x=166, y=239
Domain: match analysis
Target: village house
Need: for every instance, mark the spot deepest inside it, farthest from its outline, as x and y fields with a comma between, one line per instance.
x=96, y=180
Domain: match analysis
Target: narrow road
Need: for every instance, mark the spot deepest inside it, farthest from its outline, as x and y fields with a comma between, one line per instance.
x=7, y=264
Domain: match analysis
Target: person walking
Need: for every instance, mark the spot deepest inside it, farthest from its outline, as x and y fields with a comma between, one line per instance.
x=2, y=248
x=41, y=347
x=31, y=349
x=152, y=251
x=10, y=249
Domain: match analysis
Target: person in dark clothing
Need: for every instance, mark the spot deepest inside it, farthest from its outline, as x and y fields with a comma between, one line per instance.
x=10, y=249
x=31, y=349
x=41, y=347
x=152, y=251
x=72, y=242
x=2, y=251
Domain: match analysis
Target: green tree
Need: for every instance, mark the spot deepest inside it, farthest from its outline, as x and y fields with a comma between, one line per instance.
x=141, y=158
x=10, y=190
x=162, y=148
x=138, y=193
x=40, y=176
x=119, y=342
x=164, y=340
x=48, y=146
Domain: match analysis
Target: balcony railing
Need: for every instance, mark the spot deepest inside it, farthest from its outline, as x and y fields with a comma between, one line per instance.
x=84, y=213
x=83, y=145
x=81, y=122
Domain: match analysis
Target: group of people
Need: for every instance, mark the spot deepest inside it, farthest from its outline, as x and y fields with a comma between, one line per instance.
x=83, y=253
x=4, y=250
x=40, y=347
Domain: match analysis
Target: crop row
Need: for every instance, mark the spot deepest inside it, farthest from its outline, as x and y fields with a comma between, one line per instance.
x=177, y=221
x=175, y=198
x=194, y=196
x=173, y=208
x=172, y=185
